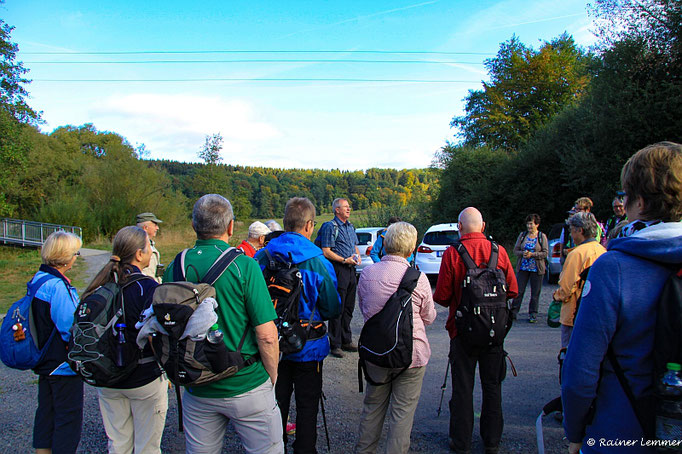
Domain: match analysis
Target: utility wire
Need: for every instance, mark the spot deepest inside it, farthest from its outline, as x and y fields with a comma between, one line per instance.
x=135, y=62
x=160, y=52
x=260, y=79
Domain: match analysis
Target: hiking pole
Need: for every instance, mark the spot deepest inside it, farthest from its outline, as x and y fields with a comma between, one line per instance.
x=444, y=386
x=324, y=420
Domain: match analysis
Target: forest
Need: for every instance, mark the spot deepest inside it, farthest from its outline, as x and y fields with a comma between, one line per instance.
x=548, y=126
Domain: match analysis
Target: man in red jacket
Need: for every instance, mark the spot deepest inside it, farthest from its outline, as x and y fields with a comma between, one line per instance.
x=463, y=359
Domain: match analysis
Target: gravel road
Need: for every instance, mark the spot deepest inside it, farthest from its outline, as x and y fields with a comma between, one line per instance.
x=532, y=347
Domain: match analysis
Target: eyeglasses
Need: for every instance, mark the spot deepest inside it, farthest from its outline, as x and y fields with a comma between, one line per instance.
x=77, y=253
x=313, y=221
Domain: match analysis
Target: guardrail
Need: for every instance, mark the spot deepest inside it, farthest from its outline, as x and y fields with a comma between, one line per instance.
x=30, y=233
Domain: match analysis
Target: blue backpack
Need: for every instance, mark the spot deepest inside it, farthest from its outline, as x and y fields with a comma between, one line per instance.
x=18, y=346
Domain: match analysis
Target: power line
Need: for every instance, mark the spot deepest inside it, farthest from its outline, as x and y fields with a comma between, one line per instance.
x=189, y=52
x=133, y=62
x=261, y=79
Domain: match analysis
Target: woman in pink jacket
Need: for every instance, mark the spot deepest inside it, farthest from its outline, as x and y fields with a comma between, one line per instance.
x=377, y=284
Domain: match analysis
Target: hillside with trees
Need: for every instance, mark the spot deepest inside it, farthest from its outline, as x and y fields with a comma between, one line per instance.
x=558, y=123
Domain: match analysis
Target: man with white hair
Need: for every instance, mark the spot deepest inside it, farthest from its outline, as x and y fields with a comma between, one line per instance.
x=256, y=239
x=463, y=357
x=150, y=224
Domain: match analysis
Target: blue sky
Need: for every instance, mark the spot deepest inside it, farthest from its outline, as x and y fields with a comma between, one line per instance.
x=274, y=123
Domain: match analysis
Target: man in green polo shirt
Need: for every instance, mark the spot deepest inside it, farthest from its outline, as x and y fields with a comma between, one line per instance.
x=247, y=398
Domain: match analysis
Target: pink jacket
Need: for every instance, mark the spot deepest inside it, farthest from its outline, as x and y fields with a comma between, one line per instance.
x=379, y=281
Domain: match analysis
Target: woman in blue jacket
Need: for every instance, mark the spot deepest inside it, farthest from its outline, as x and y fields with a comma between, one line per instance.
x=619, y=308
x=59, y=417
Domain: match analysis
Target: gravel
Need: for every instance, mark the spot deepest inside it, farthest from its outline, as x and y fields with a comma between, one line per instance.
x=532, y=348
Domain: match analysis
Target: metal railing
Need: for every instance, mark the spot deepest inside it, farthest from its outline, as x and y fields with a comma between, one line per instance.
x=30, y=233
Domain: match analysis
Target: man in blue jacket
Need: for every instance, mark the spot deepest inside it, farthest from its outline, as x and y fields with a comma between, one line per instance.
x=302, y=371
x=378, y=246
x=619, y=308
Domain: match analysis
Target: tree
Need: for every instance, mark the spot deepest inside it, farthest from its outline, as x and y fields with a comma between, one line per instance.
x=526, y=89
x=210, y=152
x=12, y=92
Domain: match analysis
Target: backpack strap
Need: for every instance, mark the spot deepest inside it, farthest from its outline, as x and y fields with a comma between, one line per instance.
x=179, y=266
x=466, y=257
x=221, y=264
x=494, y=253
x=32, y=290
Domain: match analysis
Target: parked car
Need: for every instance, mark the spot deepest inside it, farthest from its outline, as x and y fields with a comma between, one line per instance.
x=366, y=238
x=430, y=252
x=554, y=257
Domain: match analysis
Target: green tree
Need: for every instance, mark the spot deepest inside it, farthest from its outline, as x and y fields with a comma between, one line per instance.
x=210, y=152
x=526, y=89
x=12, y=92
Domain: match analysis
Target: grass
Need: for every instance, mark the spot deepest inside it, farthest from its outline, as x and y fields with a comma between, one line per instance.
x=18, y=265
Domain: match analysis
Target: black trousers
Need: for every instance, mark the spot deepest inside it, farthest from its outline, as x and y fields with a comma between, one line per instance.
x=59, y=417
x=305, y=378
x=522, y=277
x=339, y=327
x=492, y=369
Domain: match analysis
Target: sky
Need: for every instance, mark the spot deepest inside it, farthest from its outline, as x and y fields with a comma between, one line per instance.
x=167, y=74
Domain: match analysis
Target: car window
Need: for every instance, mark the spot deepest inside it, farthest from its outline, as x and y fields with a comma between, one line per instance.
x=444, y=238
x=555, y=232
x=364, y=237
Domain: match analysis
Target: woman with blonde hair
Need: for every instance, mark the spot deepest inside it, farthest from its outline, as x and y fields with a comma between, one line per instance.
x=59, y=417
x=134, y=410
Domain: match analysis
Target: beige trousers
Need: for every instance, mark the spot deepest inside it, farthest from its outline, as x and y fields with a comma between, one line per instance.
x=134, y=418
x=399, y=398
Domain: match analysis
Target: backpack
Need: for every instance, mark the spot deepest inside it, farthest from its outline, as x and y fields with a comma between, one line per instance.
x=189, y=362
x=94, y=343
x=335, y=235
x=667, y=349
x=285, y=286
x=18, y=347
x=386, y=338
x=483, y=317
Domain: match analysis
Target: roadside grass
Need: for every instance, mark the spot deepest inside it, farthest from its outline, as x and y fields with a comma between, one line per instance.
x=17, y=267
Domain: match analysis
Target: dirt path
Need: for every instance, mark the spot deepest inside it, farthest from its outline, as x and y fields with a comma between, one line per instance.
x=95, y=260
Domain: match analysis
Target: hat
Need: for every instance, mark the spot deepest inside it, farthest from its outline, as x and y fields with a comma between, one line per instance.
x=144, y=217
x=258, y=229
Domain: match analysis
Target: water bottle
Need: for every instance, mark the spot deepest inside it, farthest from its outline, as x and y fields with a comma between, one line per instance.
x=669, y=408
x=291, y=337
x=120, y=344
x=214, y=334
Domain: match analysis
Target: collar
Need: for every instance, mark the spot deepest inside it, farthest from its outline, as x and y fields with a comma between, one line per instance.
x=54, y=272
x=340, y=222
x=394, y=258
x=211, y=242
x=473, y=236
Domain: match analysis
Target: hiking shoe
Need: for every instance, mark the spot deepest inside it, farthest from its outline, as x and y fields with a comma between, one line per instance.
x=349, y=347
x=494, y=450
x=291, y=428
x=451, y=444
x=533, y=319
x=336, y=352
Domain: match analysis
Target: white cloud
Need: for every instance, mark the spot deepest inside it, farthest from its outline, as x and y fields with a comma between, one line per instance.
x=174, y=126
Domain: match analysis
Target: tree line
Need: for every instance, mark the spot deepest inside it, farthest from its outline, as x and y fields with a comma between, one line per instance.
x=559, y=122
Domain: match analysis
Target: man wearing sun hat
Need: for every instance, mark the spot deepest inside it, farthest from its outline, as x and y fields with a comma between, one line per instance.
x=150, y=224
x=256, y=239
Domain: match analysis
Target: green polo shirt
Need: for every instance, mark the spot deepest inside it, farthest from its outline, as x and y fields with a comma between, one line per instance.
x=243, y=302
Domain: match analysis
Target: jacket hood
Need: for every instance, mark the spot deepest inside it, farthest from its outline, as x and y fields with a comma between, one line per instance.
x=300, y=248
x=661, y=243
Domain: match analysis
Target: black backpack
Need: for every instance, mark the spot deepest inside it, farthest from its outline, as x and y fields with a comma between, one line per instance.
x=386, y=338
x=188, y=362
x=667, y=349
x=483, y=317
x=94, y=343
x=285, y=286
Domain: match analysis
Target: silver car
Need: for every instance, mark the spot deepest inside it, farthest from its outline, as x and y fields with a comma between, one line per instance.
x=554, y=264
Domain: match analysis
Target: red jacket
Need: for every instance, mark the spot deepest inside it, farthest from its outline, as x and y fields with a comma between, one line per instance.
x=247, y=248
x=452, y=270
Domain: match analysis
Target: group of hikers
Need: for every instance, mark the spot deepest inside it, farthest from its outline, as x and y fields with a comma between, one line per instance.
x=477, y=283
